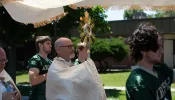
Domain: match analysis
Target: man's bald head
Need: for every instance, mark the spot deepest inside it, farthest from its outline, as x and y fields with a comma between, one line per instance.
x=2, y=52
x=64, y=48
x=60, y=42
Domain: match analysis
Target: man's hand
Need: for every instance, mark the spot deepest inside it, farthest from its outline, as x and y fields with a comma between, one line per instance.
x=17, y=94
x=9, y=96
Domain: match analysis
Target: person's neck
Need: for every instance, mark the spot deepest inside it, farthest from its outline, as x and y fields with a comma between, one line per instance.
x=145, y=64
x=81, y=59
x=43, y=55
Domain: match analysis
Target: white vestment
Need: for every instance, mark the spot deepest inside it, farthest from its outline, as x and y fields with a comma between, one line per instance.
x=80, y=82
x=7, y=77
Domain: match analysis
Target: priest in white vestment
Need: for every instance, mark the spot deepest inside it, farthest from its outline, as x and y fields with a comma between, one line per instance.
x=68, y=82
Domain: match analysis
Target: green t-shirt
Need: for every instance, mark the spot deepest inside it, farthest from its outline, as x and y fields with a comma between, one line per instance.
x=77, y=62
x=43, y=65
x=141, y=85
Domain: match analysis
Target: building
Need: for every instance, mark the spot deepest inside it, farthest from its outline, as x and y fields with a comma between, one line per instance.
x=164, y=25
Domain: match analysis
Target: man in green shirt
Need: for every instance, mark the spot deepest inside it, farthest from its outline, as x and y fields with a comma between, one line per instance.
x=149, y=79
x=38, y=67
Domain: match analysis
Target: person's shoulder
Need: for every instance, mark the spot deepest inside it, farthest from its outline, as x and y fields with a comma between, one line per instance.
x=35, y=57
x=135, y=75
x=135, y=79
x=34, y=61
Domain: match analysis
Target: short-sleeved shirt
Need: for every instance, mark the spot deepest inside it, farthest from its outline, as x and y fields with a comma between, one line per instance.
x=43, y=65
x=144, y=85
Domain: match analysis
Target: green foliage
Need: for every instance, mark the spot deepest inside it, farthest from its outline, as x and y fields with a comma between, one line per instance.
x=128, y=14
x=15, y=32
x=72, y=20
x=102, y=48
x=160, y=14
x=113, y=47
x=75, y=41
x=118, y=48
x=98, y=17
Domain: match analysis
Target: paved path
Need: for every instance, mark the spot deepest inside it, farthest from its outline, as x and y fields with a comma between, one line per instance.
x=123, y=88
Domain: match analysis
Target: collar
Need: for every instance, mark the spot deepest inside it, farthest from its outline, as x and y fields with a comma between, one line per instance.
x=152, y=72
x=64, y=61
x=2, y=73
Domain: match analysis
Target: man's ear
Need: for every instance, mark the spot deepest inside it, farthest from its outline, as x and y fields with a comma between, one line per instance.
x=142, y=52
x=58, y=50
x=39, y=44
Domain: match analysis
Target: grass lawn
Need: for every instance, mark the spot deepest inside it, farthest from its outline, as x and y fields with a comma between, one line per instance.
x=22, y=77
x=117, y=79
x=108, y=79
x=114, y=78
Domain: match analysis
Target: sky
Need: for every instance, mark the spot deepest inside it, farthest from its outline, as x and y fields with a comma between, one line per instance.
x=118, y=14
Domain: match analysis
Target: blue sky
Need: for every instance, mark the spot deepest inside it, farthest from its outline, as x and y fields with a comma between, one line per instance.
x=118, y=14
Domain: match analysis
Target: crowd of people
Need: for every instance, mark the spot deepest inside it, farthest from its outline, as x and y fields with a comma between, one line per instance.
x=62, y=79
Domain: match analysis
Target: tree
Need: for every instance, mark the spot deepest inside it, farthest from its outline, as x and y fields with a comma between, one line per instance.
x=103, y=48
x=99, y=51
x=128, y=14
x=160, y=14
x=119, y=48
x=12, y=33
x=72, y=20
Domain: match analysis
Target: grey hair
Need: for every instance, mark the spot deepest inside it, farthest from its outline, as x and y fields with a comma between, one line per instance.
x=57, y=44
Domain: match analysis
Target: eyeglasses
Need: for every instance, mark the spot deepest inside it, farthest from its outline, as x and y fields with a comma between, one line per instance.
x=3, y=60
x=69, y=46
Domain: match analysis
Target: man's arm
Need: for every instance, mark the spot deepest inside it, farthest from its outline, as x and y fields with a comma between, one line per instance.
x=34, y=76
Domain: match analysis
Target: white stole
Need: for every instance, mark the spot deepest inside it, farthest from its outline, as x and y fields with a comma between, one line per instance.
x=7, y=78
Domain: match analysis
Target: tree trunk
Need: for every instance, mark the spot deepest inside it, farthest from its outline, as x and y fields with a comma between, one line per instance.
x=11, y=65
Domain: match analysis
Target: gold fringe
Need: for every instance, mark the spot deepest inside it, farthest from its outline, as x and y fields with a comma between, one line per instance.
x=6, y=1
x=75, y=6
x=146, y=7
x=45, y=22
x=164, y=8
x=132, y=7
x=138, y=7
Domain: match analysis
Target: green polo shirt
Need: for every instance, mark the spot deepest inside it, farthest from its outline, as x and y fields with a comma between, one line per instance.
x=38, y=91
